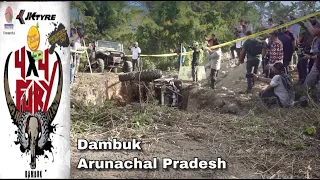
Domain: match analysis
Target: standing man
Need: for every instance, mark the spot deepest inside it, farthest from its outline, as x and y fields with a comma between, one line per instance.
x=136, y=51
x=288, y=43
x=75, y=43
x=253, y=49
x=249, y=27
x=295, y=30
x=195, y=61
x=312, y=78
x=276, y=52
x=237, y=46
x=215, y=56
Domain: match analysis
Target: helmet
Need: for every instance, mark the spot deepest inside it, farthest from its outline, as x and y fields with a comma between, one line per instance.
x=135, y=43
x=195, y=44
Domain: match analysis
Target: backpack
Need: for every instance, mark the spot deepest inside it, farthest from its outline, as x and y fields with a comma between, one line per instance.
x=255, y=47
x=288, y=85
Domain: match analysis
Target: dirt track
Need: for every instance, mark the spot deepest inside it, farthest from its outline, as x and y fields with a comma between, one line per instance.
x=255, y=143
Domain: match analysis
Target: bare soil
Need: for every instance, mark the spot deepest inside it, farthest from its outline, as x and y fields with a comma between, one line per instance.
x=255, y=141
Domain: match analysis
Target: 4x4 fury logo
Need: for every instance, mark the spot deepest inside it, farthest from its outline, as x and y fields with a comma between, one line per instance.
x=35, y=16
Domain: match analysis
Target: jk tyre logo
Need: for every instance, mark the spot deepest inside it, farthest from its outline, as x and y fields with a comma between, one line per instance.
x=34, y=16
x=20, y=16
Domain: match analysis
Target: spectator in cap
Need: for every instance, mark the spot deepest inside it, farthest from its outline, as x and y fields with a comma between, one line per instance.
x=276, y=52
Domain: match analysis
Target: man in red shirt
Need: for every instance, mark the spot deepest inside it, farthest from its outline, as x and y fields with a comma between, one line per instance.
x=276, y=51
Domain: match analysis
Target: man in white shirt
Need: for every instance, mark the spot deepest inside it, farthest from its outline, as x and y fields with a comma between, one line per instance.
x=136, y=51
x=280, y=90
x=249, y=27
x=215, y=56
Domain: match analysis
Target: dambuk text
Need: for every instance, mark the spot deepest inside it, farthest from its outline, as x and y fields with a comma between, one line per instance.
x=33, y=174
x=110, y=145
x=42, y=17
x=152, y=164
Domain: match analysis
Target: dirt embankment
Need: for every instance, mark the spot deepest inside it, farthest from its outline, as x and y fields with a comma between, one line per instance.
x=97, y=88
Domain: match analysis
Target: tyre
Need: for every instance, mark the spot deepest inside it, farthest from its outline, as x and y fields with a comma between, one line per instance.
x=148, y=75
x=126, y=77
x=100, y=65
x=127, y=66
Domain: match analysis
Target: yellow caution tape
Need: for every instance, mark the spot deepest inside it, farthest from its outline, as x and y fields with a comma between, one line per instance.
x=79, y=52
x=267, y=31
x=240, y=39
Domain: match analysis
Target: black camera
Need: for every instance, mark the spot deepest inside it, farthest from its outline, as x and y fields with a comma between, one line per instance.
x=302, y=51
x=313, y=21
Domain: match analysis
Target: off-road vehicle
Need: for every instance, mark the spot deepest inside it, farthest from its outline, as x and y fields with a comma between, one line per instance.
x=151, y=83
x=109, y=55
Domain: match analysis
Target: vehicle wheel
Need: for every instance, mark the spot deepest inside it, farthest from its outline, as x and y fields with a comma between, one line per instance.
x=127, y=66
x=148, y=75
x=100, y=65
x=126, y=77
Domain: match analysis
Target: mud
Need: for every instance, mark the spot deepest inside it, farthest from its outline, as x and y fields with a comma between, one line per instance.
x=97, y=88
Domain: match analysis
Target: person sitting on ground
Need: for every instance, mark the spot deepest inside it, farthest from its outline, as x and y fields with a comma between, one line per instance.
x=276, y=52
x=136, y=51
x=280, y=90
x=215, y=56
x=253, y=49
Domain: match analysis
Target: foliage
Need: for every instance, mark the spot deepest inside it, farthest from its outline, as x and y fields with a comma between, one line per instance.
x=159, y=26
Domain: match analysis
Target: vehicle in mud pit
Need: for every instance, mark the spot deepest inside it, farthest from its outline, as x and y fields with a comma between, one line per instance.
x=109, y=55
x=166, y=90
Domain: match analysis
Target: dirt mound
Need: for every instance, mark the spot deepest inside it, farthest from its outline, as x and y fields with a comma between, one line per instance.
x=96, y=88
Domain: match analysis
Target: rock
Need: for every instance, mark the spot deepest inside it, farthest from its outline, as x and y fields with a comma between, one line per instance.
x=231, y=108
